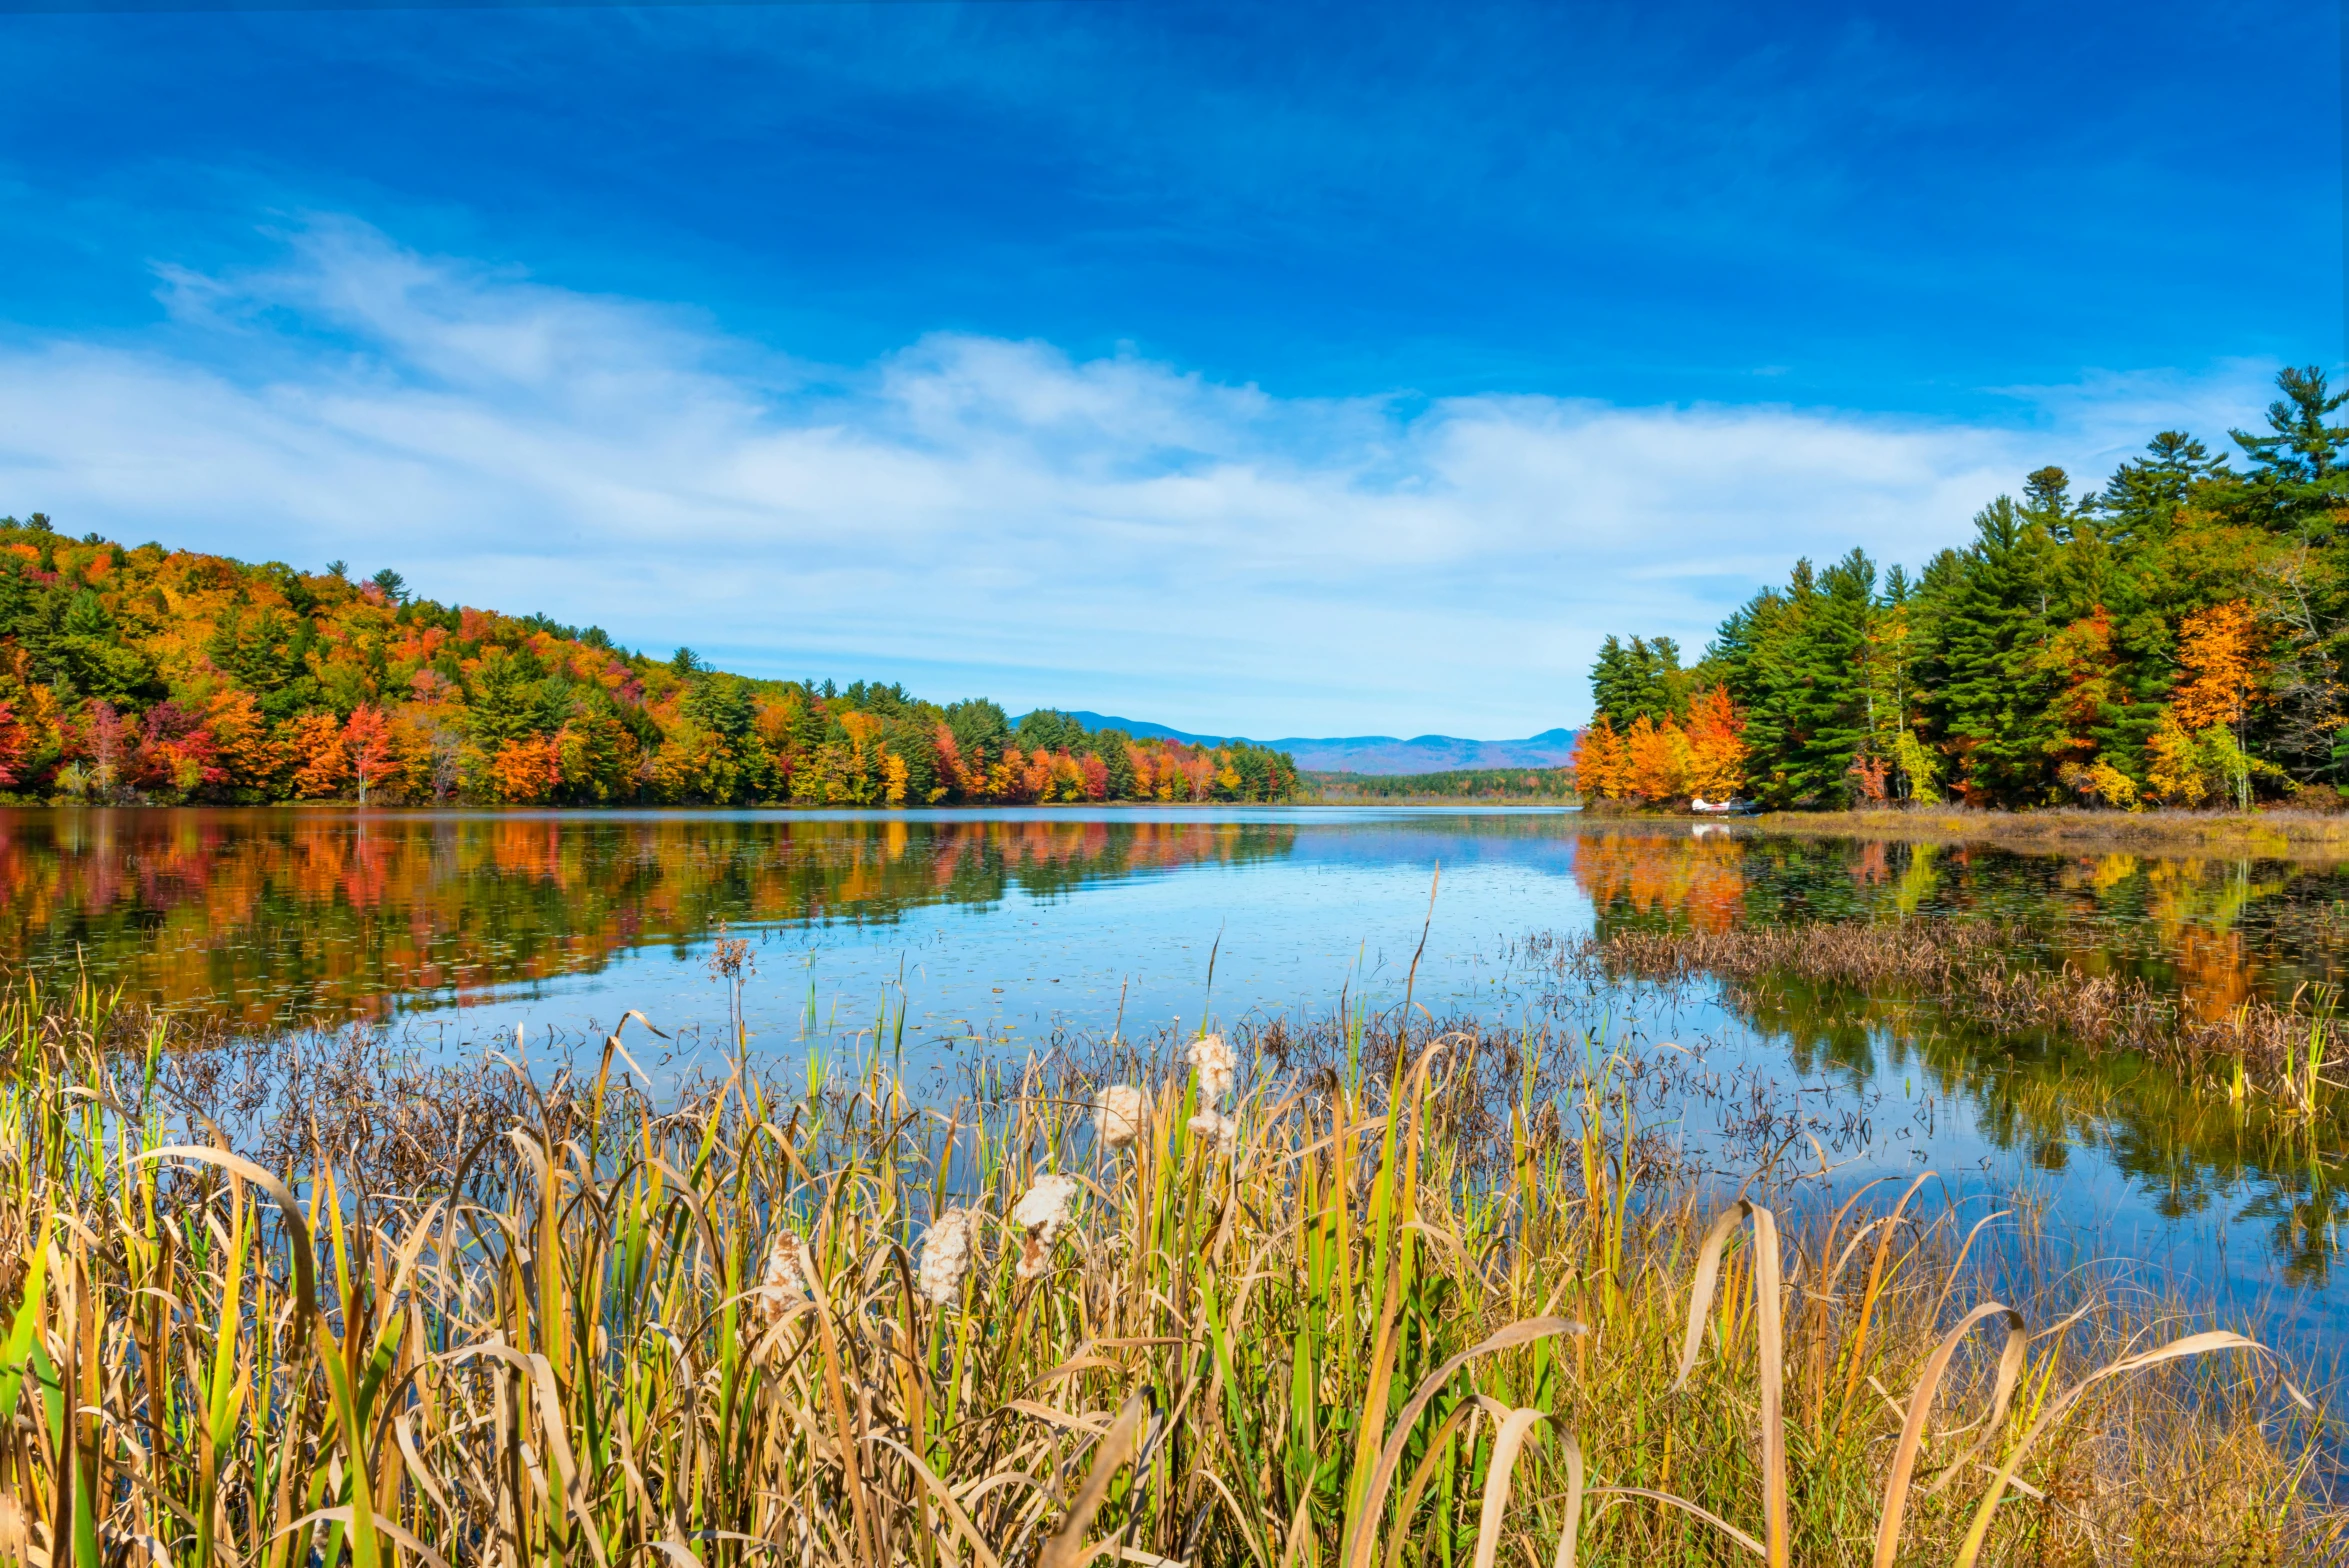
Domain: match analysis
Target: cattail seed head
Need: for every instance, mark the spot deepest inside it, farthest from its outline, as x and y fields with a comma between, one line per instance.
x=1040, y=1216
x=782, y=1282
x=1216, y=1067
x=948, y=1252
x=1117, y=1117
x=1216, y=1128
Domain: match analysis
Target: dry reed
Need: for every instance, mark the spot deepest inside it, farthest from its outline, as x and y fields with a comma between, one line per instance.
x=1977, y=971
x=820, y=1323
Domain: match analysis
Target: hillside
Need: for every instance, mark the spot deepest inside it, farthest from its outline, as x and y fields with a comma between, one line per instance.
x=162, y=676
x=1378, y=754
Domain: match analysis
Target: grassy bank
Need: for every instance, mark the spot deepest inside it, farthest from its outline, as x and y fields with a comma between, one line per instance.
x=2281, y=832
x=1341, y=1306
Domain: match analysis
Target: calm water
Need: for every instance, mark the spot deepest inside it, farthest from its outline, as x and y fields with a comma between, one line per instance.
x=995, y=929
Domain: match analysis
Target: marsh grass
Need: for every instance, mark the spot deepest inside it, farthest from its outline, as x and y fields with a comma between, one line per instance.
x=737, y=1325
x=1981, y=972
x=2283, y=832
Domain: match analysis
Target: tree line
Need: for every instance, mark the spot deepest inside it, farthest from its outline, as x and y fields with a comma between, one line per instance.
x=2179, y=637
x=148, y=675
x=1503, y=784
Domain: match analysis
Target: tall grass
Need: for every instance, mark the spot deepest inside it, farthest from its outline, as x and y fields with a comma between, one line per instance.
x=819, y=1322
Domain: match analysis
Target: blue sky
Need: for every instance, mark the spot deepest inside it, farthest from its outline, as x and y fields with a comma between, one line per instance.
x=1287, y=369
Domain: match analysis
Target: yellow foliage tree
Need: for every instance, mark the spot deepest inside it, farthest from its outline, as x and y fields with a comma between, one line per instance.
x=2218, y=650
x=1601, y=765
x=2100, y=781
x=1657, y=759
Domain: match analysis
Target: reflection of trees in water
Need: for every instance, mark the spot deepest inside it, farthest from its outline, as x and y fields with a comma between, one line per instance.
x=1678, y=879
x=2187, y=1148
x=272, y=916
x=2304, y=1212
x=2216, y=931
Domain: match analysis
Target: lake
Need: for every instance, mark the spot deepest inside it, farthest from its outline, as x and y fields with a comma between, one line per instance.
x=948, y=935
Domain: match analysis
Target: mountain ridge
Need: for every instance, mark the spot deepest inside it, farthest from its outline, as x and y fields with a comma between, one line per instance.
x=1384, y=755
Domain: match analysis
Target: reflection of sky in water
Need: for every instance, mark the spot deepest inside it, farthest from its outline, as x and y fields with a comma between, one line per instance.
x=2102, y=1218
x=1342, y=907
x=1000, y=929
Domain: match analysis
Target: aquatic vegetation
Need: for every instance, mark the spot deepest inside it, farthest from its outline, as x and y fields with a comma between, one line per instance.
x=1981, y=970
x=1394, y=1318
x=2279, y=832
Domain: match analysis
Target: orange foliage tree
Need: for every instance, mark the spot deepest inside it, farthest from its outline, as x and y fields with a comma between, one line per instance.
x=1702, y=757
x=2218, y=652
x=1657, y=759
x=314, y=743
x=14, y=743
x=1602, y=765
x=1716, y=745
x=249, y=754
x=528, y=771
x=368, y=735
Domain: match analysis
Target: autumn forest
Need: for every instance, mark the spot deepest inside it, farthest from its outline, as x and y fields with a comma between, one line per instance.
x=2178, y=638
x=162, y=676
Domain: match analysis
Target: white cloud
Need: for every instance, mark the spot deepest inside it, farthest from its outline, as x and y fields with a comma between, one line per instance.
x=976, y=514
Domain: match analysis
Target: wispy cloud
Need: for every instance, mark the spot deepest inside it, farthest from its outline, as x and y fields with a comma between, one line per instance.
x=980, y=514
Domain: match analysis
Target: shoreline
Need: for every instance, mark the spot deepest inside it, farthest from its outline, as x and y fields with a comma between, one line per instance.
x=2267, y=833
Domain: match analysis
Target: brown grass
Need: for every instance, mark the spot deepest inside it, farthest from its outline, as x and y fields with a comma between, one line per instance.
x=722, y=1329
x=1976, y=971
x=2279, y=833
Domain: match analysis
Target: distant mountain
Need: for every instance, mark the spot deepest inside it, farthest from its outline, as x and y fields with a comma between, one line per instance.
x=1380, y=754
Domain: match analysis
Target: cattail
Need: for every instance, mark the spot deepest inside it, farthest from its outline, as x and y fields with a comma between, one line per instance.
x=783, y=1282
x=948, y=1252
x=1217, y=1068
x=1215, y=1127
x=1041, y=1215
x=1118, y=1116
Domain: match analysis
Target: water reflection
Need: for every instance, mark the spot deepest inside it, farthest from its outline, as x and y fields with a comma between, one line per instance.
x=2217, y=932
x=1009, y=924
x=279, y=916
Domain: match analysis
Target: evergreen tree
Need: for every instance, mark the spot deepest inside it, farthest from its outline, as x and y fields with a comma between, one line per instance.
x=505, y=700
x=981, y=730
x=1824, y=692
x=2146, y=493
x=1049, y=729
x=1642, y=678
x=2299, y=471
x=1110, y=746
x=1986, y=677
x=1759, y=661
